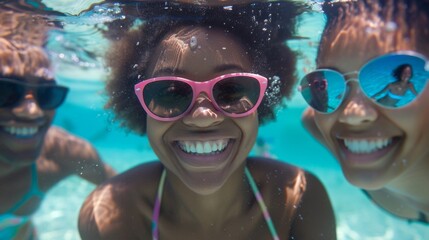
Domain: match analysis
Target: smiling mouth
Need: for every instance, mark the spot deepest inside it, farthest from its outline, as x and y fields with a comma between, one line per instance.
x=364, y=146
x=205, y=155
x=21, y=132
x=203, y=147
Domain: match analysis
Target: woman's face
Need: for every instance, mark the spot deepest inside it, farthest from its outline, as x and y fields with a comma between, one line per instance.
x=209, y=54
x=406, y=74
x=396, y=140
x=23, y=129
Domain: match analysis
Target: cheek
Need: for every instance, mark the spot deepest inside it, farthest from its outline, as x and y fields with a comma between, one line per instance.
x=249, y=127
x=50, y=115
x=415, y=115
x=156, y=131
x=414, y=119
x=5, y=115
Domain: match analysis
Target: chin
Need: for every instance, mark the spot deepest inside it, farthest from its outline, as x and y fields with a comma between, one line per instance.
x=367, y=181
x=205, y=190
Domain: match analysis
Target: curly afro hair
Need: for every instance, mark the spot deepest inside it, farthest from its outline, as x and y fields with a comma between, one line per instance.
x=263, y=28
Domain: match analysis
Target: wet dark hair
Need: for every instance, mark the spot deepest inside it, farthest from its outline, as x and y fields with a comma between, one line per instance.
x=262, y=28
x=22, y=42
x=397, y=72
x=405, y=25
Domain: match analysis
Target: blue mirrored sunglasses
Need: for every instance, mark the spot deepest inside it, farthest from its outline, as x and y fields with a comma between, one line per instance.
x=392, y=81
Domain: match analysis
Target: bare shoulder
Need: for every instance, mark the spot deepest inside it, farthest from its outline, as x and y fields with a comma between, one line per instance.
x=296, y=198
x=280, y=175
x=282, y=185
x=141, y=181
x=120, y=204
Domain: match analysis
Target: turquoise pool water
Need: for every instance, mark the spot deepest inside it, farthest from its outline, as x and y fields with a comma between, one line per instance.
x=83, y=115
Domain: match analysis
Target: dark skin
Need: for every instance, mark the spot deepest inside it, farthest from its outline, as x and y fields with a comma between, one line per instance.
x=62, y=156
x=394, y=176
x=56, y=153
x=215, y=196
x=99, y=218
x=28, y=140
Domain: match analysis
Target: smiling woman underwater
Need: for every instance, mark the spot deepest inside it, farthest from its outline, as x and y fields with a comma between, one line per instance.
x=204, y=77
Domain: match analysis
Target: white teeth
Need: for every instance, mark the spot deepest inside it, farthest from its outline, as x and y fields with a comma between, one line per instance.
x=366, y=146
x=203, y=147
x=21, y=131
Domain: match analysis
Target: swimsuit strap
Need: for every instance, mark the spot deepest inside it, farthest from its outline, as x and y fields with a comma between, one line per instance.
x=395, y=96
x=156, y=209
x=262, y=205
x=33, y=191
x=11, y=225
x=255, y=190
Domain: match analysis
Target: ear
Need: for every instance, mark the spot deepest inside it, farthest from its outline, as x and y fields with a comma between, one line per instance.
x=310, y=125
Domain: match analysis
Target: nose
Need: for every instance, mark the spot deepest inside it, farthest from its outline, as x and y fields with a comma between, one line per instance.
x=358, y=109
x=203, y=114
x=28, y=108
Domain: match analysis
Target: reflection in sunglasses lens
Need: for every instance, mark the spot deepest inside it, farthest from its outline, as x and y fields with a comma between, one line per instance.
x=394, y=81
x=168, y=98
x=323, y=90
x=236, y=94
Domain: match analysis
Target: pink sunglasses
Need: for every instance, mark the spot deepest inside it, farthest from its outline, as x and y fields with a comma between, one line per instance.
x=170, y=98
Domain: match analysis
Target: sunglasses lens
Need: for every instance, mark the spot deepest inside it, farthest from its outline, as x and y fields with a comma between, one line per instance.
x=10, y=93
x=167, y=98
x=394, y=80
x=237, y=94
x=51, y=97
x=323, y=90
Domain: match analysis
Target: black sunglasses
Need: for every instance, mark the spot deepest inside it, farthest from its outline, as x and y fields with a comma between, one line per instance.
x=48, y=96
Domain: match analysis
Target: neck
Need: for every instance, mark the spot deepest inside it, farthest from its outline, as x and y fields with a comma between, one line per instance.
x=231, y=200
x=8, y=170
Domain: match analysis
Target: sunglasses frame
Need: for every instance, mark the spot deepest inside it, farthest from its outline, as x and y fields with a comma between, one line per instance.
x=199, y=87
x=356, y=79
x=32, y=86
